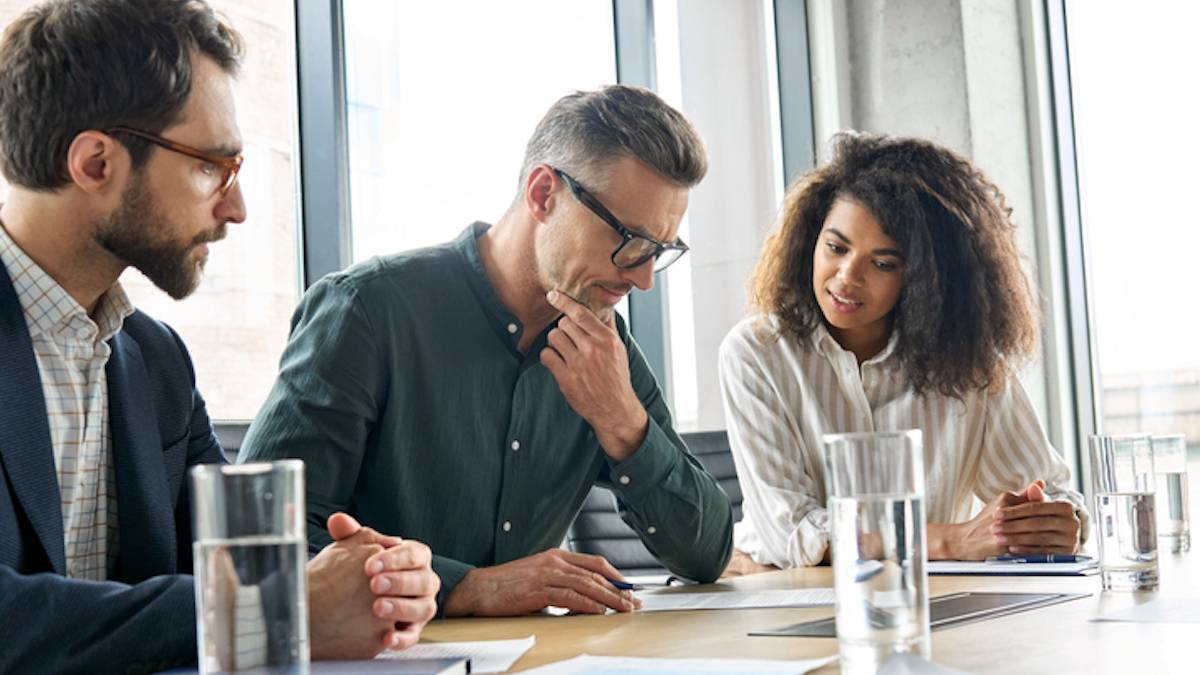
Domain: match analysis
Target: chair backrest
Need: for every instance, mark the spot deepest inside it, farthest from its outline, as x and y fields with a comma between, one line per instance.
x=599, y=530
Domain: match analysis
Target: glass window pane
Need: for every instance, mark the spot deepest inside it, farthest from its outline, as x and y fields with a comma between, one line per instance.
x=235, y=325
x=440, y=107
x=1134, y=108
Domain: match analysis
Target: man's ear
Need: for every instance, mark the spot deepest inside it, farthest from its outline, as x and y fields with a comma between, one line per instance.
x=539, y=189
x=96, y=162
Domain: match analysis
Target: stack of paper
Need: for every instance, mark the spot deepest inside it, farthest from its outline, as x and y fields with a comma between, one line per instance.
x=672, y=602
x=1165, y=609
x=491, y=656
x=1037, y=569
x=619, y=665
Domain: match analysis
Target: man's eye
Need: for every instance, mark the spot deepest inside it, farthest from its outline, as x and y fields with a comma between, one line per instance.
x=209, y=168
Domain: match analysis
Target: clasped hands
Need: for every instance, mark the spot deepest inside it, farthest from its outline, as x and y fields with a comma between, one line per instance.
x=1014, y=523
x=368, y=592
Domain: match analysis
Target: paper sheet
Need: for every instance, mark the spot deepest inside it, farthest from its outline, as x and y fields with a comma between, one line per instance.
x=619, y=665
x=1010, y=569
x=1159, y=610
x=668, y=602
x=489, y=656
x=911, y=664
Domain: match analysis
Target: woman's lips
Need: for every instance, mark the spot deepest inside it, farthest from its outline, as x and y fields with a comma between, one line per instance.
x=844, y=304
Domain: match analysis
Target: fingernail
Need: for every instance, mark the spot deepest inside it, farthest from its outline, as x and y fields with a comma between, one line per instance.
x=376, y=567
x=384, y=584
x=1001, y=539
x=552, y=296
x=388, y=608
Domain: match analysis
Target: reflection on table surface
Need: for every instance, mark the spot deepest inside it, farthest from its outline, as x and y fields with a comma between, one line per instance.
x=1059, y=639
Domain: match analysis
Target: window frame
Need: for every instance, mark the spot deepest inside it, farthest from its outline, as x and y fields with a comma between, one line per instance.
x=1083, y=386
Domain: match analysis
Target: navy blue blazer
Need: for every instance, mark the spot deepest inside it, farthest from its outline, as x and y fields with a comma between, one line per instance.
x=144, y=619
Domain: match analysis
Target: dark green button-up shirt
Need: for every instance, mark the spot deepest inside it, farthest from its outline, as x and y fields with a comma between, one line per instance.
x=404, y=392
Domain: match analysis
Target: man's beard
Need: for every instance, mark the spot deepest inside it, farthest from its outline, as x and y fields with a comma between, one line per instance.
x=138, y=234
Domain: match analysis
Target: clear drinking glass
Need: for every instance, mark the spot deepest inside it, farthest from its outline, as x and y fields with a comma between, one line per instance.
x=1170, y=467
x=1123, y=483
x=876, y=485
x=249, y=556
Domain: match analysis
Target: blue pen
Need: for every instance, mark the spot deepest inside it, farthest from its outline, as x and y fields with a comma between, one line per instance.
x=624, y=585
x=1047, y=558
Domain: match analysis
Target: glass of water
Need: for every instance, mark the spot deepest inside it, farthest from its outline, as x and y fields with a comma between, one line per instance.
x=876, y=486
x=1123, y=483
x=249, y=557
x=1170, y=467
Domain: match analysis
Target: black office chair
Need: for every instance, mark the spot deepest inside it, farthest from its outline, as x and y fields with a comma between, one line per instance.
x=599, y=530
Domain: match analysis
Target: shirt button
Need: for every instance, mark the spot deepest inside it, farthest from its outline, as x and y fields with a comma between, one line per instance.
x=515, y=445
x=512, y=328
x=507, y=526
x=651, y=530
x=623, y=480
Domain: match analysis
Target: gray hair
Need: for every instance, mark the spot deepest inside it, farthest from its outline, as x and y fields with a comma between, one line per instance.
x=586, y=130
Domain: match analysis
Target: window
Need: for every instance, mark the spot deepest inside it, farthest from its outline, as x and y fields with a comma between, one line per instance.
x=235, y=325
x=441, y=98
x=1134, y=107
x=714, y=62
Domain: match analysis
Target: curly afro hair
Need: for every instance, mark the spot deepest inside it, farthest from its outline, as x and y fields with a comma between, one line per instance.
x=966, y=317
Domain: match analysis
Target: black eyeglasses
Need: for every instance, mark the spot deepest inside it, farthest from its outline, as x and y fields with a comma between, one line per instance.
x=635, y=249
x=229, y=166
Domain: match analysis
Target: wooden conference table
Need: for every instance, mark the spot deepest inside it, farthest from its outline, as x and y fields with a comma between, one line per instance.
x=1056, y=639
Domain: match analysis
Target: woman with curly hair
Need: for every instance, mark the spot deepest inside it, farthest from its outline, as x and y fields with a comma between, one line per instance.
x=892, y=297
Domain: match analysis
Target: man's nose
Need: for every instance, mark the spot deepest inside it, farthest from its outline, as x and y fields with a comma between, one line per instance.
x=232, y=206
x=641, y=276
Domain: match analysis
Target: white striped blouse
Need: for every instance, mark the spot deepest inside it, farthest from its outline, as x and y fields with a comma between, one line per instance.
x=781, y=396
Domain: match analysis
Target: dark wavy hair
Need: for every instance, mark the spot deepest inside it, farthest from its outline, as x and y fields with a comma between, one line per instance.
x=67, y=66
x=966, y=316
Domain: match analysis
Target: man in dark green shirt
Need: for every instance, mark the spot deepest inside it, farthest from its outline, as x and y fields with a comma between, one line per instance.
x=470, y=394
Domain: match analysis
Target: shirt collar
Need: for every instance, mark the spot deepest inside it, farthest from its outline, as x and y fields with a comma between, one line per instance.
x=47, y=306
x=825, y=344
x=508, y=327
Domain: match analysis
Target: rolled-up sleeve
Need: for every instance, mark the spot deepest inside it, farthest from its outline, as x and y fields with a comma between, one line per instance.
x=784, y=498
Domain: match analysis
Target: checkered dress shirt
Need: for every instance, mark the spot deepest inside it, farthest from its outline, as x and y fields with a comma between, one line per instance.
x=72, y=349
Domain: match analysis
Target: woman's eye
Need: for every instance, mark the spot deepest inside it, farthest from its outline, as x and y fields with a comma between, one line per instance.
x=886, y=265
x=209, y=168
x=835, y=247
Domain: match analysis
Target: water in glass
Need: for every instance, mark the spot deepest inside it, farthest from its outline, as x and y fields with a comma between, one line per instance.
x=1174, y=534
x=1128, y=546
x=253, y=611
x=881, y=587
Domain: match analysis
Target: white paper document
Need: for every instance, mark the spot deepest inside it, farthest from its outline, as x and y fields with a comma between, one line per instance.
x=1160, y=610
x=911, y=664
x=488, y=656
x=620, y=665
x=1011, y=568
x=669, y=602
